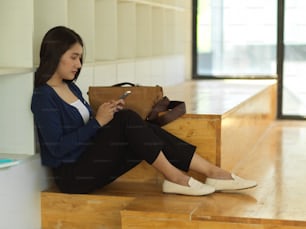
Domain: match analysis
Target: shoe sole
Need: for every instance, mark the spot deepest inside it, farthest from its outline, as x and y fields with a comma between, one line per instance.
x=240, y=189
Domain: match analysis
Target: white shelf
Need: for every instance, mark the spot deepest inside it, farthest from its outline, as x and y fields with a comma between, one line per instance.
x=143, y=30
x=45, y=18
x=157, y=3
x=16, y=121
x=19, y=156
x=158, y=31
x=169, y=35
x=115, y=29
x=16, y=19
x=126, y=30
x=179, y=32
x=16, y=159
x=106, y=30
x=14, y=71
x=81, y=18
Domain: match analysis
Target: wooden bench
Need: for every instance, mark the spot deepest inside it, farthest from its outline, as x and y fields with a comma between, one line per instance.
x=224, y=119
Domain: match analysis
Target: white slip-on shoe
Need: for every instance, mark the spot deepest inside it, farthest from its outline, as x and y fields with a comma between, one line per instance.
x=195, y=188
x=237, y=183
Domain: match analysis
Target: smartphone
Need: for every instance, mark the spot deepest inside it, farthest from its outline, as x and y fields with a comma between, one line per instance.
x=125, y=94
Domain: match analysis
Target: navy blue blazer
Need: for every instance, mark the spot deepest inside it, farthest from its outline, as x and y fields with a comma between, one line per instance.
x=62, y=134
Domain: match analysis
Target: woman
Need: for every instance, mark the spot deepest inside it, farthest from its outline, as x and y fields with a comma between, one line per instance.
x=87, y=151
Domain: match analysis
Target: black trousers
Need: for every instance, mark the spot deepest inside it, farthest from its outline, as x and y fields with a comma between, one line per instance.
x=118, y=147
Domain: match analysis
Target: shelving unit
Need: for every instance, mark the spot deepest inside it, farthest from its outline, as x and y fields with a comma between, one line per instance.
x=142, y=41
x=81, y=18
x=115, y=29
x=16, y=122
x=15, y=21
x=126, y=30
x=106, y=20
x=16, y=61
x=4, y=71
x=46, y=15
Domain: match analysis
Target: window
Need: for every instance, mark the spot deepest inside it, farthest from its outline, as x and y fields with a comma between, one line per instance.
x=254, y=39
x=235, y=39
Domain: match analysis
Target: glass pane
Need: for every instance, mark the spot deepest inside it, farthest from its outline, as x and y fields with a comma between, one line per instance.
x=236, y=37
x=294, y=71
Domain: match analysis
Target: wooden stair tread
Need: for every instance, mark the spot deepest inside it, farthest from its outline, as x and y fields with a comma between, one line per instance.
x=278, y=169
x=136, y=198
x=133, y=189
x=277, y=201
x=215, y=97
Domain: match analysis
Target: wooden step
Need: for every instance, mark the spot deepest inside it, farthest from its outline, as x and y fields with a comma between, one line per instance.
x=225, y=120
x=101, y=209
x=277, y=163
x=65, y=211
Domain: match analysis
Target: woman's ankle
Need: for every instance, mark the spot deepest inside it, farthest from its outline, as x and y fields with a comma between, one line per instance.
x=181, y=180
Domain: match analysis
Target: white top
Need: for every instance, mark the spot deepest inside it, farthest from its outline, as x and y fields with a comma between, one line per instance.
x=82, y=109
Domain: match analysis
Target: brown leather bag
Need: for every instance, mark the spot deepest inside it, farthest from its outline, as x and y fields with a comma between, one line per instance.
x=141, y=100
x=147, y=101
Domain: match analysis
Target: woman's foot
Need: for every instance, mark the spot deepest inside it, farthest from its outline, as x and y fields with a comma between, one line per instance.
x=194, y=188
x=236, y=183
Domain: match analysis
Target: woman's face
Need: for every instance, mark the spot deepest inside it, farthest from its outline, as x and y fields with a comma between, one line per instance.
x=70, y=62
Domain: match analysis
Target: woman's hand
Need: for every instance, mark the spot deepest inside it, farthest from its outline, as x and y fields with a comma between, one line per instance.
x=106, y=111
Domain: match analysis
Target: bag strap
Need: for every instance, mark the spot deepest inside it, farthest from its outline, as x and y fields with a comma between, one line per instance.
x=170, y=110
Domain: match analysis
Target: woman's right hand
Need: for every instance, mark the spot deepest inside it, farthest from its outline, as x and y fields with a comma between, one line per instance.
x=105, y=112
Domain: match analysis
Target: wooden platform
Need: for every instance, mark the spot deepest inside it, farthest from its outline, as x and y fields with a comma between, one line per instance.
x=276, y=160
x=277, y=163
x=223, y=118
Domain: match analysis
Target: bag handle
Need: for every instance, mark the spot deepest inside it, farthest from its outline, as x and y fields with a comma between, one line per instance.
x=121, y=85
x=124, y=84
x=166, y=111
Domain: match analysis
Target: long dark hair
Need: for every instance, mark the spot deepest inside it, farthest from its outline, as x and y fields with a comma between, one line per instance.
x=54, y=44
